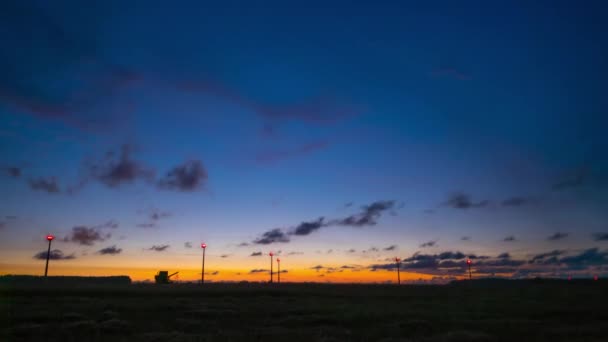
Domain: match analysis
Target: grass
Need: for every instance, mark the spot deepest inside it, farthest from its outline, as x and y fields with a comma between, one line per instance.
x=528, y=311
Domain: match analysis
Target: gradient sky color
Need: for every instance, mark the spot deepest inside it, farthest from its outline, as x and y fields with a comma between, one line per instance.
x=411, y=129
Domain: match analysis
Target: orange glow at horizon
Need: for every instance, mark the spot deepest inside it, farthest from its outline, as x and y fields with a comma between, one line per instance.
x=223, y=274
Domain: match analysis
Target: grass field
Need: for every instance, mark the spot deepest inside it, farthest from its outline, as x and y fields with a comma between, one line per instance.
x=512, y=311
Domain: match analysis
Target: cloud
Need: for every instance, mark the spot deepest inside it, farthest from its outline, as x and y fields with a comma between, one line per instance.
x=504, y=256
x=317, y=268
x=591, y=256
x=390, y=248
x=450, y=255
x=600, y=236
x=272, y=236
x=55, y=254
x=465, y=238
x=188, y=244
x=87, y=236
x=295, y=253
x=557, y=236
x=146, y=225
x=509, y=238
x=159, y=248
x=517, y=201
x=117, y=169
x=13, y=171
x=157, y=214
x=574, y=180
x=112, y=250
x=48, y=185
x=306, y=228
x=352, y=250
x=546, y=258
x=460, y=200
x=189, y=176
x=215, y=273
x=259, y=270
x=243, y=244
x=89, y=82
x=428, y=244
x=223, y=256
x=368, y=216
x=256, y=254
x=278, y=155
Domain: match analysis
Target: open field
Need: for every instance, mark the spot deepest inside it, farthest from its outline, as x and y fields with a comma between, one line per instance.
x=502, y=311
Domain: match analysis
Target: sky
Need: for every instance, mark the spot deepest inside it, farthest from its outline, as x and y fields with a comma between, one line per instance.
x=339, y=135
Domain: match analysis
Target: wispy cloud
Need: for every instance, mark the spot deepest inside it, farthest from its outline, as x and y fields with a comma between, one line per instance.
x=256, y=254
x=460, y=200
x=272, y=236
x=159, y=248
x=428, y=244
x=600, y=236
x=55, y=254
x=112, y=250
x=48, y=185
x=557, y=236
x=189, y=176
x=509, y=238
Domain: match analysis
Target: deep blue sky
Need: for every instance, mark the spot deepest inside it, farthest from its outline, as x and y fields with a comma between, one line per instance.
x=478, y=119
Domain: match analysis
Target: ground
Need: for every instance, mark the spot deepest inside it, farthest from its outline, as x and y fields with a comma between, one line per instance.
x=526, y=311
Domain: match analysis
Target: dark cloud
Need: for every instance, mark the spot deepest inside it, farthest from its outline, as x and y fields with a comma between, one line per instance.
x=295, y=253
x=516, y=201
x=368, y=216
x=600, y=236
x=256, y=254
x=188, y=244
x=89, y=82
x=509, y=238
x=546, y=258
x=110, y=250
x=465, y=238
x=272, y=236
x=117, y=169
x=189, y=176
x=223, y=256
x=87, y=236
x=45, y=184
x=215, y=272
x=159, y=248
x=13, y=171
x=55, y=254
x=589, y=257
x=352, y=250
x=259, y=270
x=306, y=228
x=317, y=268
x=277, y=155
x=504, y=256
x=243, y=244
x=428, y=244
x=390, y=248
x=146, y=225
x=460, y=200
x=157, y=214
x=557, y=236
x=574, y=180
x=451, y=255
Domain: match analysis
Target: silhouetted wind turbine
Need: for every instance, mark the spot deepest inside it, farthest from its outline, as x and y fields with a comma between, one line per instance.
x=278, y=270
x=469, y=262
x=49, y=238
x=204, y=247
x=398, y=261
x=271, y=254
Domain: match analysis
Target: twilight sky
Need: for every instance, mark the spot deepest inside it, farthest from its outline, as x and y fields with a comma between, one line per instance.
x=337, y=135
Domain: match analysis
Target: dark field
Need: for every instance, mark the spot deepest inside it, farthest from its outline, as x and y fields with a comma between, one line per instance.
x=484, y=311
